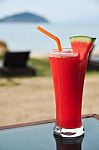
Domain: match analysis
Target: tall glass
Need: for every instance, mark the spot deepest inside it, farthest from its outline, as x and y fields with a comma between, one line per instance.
x=68, y=73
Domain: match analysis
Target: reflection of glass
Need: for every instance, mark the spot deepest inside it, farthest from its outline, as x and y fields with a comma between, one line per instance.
x=68, y=73
x=63, y=144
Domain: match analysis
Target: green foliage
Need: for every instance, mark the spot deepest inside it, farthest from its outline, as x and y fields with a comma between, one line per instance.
x=92, y=73
x=43, y=69
x=42, y=66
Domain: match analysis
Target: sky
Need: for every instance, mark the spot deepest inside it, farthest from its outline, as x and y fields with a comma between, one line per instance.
x=53, y=10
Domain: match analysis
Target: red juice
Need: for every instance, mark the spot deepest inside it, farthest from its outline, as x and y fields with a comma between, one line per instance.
x=68, y=73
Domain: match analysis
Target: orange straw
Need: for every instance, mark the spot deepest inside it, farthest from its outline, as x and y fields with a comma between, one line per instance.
x=51, y=36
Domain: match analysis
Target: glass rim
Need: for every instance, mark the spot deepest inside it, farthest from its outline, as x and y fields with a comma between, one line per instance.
x=66, y=52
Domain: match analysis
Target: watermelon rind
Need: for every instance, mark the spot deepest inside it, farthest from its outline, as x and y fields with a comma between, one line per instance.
x=82, y=38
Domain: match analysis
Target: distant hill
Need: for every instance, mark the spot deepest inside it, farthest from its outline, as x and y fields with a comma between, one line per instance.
x=24, y=17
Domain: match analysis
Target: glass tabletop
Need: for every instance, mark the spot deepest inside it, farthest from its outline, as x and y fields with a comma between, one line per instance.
x=40, y=137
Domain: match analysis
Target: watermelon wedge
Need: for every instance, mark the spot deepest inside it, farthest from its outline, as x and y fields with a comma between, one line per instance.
x=82, y=45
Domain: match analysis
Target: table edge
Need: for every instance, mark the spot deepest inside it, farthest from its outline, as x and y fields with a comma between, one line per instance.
x=42, y=122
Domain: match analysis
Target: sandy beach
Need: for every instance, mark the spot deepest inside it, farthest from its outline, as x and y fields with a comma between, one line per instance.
x=32, y=99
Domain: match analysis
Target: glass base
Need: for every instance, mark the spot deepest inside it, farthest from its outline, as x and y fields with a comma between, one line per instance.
x=69, y=132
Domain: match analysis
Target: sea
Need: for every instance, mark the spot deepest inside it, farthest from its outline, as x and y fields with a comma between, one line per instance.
x=25, y=36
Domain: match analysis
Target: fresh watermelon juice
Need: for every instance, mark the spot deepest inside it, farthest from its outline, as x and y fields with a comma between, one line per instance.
x=68, y=73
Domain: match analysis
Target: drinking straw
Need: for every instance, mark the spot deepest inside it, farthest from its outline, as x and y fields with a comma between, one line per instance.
x=56, y=39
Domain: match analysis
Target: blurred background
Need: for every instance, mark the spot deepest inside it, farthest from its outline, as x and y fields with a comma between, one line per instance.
x=29, y=96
